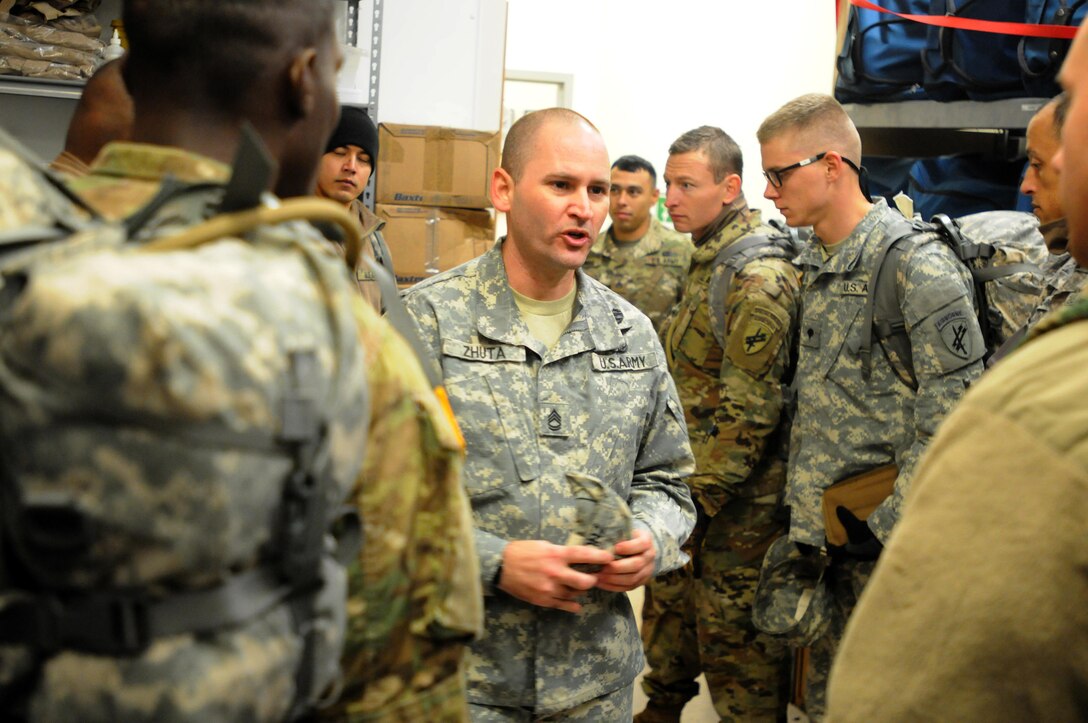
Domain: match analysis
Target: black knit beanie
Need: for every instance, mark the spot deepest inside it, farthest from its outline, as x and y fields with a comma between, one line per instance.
x=356, y=129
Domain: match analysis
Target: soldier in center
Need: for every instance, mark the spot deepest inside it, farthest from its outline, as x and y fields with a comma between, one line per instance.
x=698, y=619
x=639, y=257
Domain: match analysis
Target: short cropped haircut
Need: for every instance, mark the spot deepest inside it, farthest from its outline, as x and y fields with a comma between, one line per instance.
x=820, y=116
x=221, y=46
x=634, y=164
x=721, y=150
x=1061, y=110
x=519, y=139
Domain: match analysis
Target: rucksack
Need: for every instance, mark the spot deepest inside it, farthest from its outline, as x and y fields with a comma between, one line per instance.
x=1041, y=58
x=1004, y=252
x=980, y=65
x=962, y=185
x=780, y=242
x=183, y=413
x=881, y=59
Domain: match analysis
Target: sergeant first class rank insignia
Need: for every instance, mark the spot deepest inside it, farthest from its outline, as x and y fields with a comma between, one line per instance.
x=759, y=330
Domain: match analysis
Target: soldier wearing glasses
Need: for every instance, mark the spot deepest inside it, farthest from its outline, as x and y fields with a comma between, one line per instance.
x=854, y=416
x=730, y=368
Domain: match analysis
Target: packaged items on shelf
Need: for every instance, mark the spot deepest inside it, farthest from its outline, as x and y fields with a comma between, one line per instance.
x=435, y=166
x=425, y=240
x=42, y=49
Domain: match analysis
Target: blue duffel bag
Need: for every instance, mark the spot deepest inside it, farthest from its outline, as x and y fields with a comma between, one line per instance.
x=971, y=63
x=962, y=185
x=888, y=175
x=1041, y=58
x=880, y=60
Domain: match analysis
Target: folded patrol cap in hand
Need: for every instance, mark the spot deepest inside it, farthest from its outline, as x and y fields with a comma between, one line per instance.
x=792, y=598
x=603, y=517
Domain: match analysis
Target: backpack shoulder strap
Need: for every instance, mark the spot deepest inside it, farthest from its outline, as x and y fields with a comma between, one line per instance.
x=732, y=259
x=882, y=313
x=396, y=313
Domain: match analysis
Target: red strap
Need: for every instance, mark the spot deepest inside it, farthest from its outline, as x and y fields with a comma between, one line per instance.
x=1062, y=32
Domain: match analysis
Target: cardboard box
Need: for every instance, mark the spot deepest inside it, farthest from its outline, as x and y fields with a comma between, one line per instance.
x=433, y=166
x=425, y=240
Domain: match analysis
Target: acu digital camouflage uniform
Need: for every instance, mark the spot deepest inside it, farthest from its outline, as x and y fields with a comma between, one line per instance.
x=26, y=199
x=698, y=619
x=601, y=404
x=414, y=593
x=649, y=273
x=847, y=423
x=151, y=433
x=976, y=611
x=1064, y=276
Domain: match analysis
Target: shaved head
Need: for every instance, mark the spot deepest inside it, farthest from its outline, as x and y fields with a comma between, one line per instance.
x=522, y=134
x=216, y=49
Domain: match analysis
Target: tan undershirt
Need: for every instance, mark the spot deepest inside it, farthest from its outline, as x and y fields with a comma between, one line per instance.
x=831, y=249
x=547, y=320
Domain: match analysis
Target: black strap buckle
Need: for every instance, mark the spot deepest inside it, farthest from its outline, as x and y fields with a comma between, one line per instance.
x=115, y=624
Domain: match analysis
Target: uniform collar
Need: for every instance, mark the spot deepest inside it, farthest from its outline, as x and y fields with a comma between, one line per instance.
x=1056, y=236
x=735, y=221
x=597, y=323
x=369, y=221
x=850, y=251
x=148, y=162
x=649, y=244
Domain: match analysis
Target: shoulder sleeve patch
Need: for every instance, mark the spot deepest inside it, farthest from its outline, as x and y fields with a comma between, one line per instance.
x=757, y=333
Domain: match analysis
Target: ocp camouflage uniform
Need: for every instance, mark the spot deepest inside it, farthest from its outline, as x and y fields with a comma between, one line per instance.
x=846, y=423
x=649, y=273
x=414, y=598
x=698, y=619
x=415, y=593
x=599, y=403
x=1064, y=276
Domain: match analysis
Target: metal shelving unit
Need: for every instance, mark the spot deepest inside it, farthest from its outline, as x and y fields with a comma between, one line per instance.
x=930, y=128
x=37, y=110
x=17, y=85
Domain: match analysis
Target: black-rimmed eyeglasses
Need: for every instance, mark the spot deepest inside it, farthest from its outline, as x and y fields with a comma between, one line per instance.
x=775, y=176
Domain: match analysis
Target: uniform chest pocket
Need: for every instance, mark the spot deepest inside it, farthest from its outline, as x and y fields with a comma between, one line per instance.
x=500, y=445
x=842, y=361
x=621, y=388
x=692, y=337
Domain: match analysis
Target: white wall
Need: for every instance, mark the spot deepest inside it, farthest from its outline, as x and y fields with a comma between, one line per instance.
x=442, y=63
x=645, y=72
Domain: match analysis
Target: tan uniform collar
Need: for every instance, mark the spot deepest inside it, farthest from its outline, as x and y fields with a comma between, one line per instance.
x=723, y=219
x=1056, y=235
x=367, y=219
x=151, y=163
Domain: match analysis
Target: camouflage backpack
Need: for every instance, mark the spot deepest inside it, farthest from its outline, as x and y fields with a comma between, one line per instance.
x=182, y=415
x=779, y=241
x=1003, y=250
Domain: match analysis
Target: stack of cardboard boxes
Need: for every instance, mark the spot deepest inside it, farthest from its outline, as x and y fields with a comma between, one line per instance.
x=432, y=193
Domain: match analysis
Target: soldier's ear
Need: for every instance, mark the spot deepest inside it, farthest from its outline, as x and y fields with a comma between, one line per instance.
x=502, y=190
x=302, y=82
x=730, y=189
